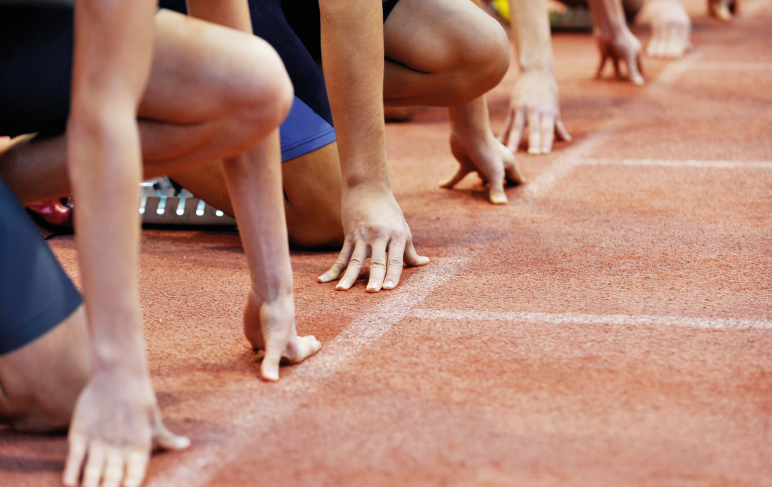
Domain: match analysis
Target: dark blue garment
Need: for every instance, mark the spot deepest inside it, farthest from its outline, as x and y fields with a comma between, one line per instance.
x=35, y=293
x=36, y=46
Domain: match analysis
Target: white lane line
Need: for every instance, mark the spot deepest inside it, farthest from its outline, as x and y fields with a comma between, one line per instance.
x=249, y=413
x=670, y=163
x=593, y=319
x=732, y=66
x=563, y=166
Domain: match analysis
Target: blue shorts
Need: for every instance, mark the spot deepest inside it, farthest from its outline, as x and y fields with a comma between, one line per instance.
x=35, y=293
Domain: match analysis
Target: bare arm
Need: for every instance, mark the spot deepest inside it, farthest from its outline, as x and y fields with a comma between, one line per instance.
x=615, y=40
x=535, y=101
x=116, y=418
x=352, y=56
x=255, y=187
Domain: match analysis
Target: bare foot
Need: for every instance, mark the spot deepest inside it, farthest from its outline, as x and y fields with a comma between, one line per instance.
x=271, y=327
x=491, y=160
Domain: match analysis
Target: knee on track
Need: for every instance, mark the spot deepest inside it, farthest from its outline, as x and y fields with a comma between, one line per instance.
x=47, y=406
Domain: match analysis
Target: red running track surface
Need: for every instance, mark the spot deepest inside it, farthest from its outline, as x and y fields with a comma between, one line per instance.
x=611, y=326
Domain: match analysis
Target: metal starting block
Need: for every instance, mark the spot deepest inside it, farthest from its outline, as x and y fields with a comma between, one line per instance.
x=157, y=208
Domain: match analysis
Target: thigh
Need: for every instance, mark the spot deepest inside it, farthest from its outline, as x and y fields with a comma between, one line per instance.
x=430, y=36
x=199, y=70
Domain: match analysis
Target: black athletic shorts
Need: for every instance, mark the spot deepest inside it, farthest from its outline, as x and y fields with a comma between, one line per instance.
x=35, y=293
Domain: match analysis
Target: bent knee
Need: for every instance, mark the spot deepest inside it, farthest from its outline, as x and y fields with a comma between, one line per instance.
x=256, y=92
x=485, y=61
x=271, y=91
x=44, y=406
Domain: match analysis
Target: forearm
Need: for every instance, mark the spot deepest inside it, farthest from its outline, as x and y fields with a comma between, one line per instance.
x=113, y=51
x=352, y=56
x=608, y=16
x=105, y=174
x=531, y=30
x=255, y=186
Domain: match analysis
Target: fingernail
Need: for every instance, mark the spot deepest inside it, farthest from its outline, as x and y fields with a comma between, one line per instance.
x=423, y=260
x=342, y=285
x=499, y=199
x=388, y=285
x=182, y=442
x=324, y=278
x=534, y=151
x=546, y=150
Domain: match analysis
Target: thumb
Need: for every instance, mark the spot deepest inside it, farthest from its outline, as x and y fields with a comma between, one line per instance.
x=462, y=171
x=166, y=440
x=496, y=193
x=273, y=350
x=633, y=65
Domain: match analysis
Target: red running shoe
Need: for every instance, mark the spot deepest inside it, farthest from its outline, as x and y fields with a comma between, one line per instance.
x=54, y=216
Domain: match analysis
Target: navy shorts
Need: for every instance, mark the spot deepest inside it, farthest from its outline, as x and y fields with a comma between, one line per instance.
x=35, y=293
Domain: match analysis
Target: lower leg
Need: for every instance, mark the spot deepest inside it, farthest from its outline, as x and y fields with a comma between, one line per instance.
x=312, y=191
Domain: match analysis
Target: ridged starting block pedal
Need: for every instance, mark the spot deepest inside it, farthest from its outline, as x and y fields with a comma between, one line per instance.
x=157, y=208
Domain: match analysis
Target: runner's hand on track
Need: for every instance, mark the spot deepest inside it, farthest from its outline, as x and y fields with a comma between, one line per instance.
x=271, y=327
x=374, y=227
x=534, y=104
x=494, y=163
x=670, y=26
x=115, y=426
x=622, y=47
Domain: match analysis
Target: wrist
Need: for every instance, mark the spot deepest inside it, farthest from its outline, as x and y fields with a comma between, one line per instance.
x=275, y=294
x=124, y=355
x=373, y=184
x=545, y=66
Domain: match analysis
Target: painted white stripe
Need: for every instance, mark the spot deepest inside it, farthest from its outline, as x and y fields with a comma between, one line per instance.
x=593, y=319
x=732, y=66
x=684, y=163
x=249, y=414
x=563, y=166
